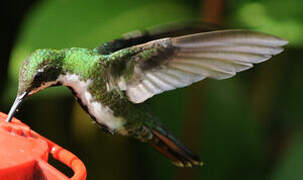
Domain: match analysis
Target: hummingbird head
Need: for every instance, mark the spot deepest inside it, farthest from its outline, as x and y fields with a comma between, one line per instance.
x=38, y=71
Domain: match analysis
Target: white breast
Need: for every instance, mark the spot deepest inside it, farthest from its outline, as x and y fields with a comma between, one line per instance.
x=103, y=114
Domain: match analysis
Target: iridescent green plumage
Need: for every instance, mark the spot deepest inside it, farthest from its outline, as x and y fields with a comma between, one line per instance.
x=112, y=81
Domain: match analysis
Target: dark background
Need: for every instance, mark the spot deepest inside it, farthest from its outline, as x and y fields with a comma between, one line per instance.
x=247, y=127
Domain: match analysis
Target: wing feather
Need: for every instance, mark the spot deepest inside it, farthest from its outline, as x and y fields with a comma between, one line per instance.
x=254, y=49
x=226, y=37
x=171, y=63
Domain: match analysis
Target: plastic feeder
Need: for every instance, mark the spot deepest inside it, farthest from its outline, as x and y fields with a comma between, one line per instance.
x=24, y=155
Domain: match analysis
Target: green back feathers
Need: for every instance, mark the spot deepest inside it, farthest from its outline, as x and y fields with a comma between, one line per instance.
x=81, y=61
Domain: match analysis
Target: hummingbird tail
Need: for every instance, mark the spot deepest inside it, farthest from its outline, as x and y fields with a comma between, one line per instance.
x=164, y=142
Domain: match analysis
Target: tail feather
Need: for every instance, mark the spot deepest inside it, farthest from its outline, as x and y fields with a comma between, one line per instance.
x=173, y=149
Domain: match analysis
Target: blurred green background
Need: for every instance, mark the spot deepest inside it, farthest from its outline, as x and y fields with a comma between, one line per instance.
x=247, y=127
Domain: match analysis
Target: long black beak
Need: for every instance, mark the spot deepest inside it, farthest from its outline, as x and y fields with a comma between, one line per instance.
x=16, y=104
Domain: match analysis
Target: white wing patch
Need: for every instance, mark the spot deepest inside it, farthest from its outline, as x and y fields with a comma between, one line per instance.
x=217, y=55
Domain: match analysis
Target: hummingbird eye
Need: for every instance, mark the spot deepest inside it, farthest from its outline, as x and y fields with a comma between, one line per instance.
x=38, y=76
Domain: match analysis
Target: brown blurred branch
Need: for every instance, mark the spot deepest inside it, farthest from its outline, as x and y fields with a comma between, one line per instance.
x=211, y=11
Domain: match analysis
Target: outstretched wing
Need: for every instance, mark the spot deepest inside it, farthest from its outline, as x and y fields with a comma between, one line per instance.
x=166, y=64
x=158, y=32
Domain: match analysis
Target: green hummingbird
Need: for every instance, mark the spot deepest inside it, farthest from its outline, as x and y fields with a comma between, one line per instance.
x=112, y=81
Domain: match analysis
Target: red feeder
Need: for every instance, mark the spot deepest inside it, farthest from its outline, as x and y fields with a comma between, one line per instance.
x=24, y=155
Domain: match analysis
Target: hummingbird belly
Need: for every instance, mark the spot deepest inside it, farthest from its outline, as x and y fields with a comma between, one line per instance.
x=102, y=114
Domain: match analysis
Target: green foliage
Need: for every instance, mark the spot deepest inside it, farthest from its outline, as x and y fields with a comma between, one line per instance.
x=283, y=18
x=247, y=127
x=290, y=164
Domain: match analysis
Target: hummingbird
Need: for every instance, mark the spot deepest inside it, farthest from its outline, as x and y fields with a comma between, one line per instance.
x=113, y=81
